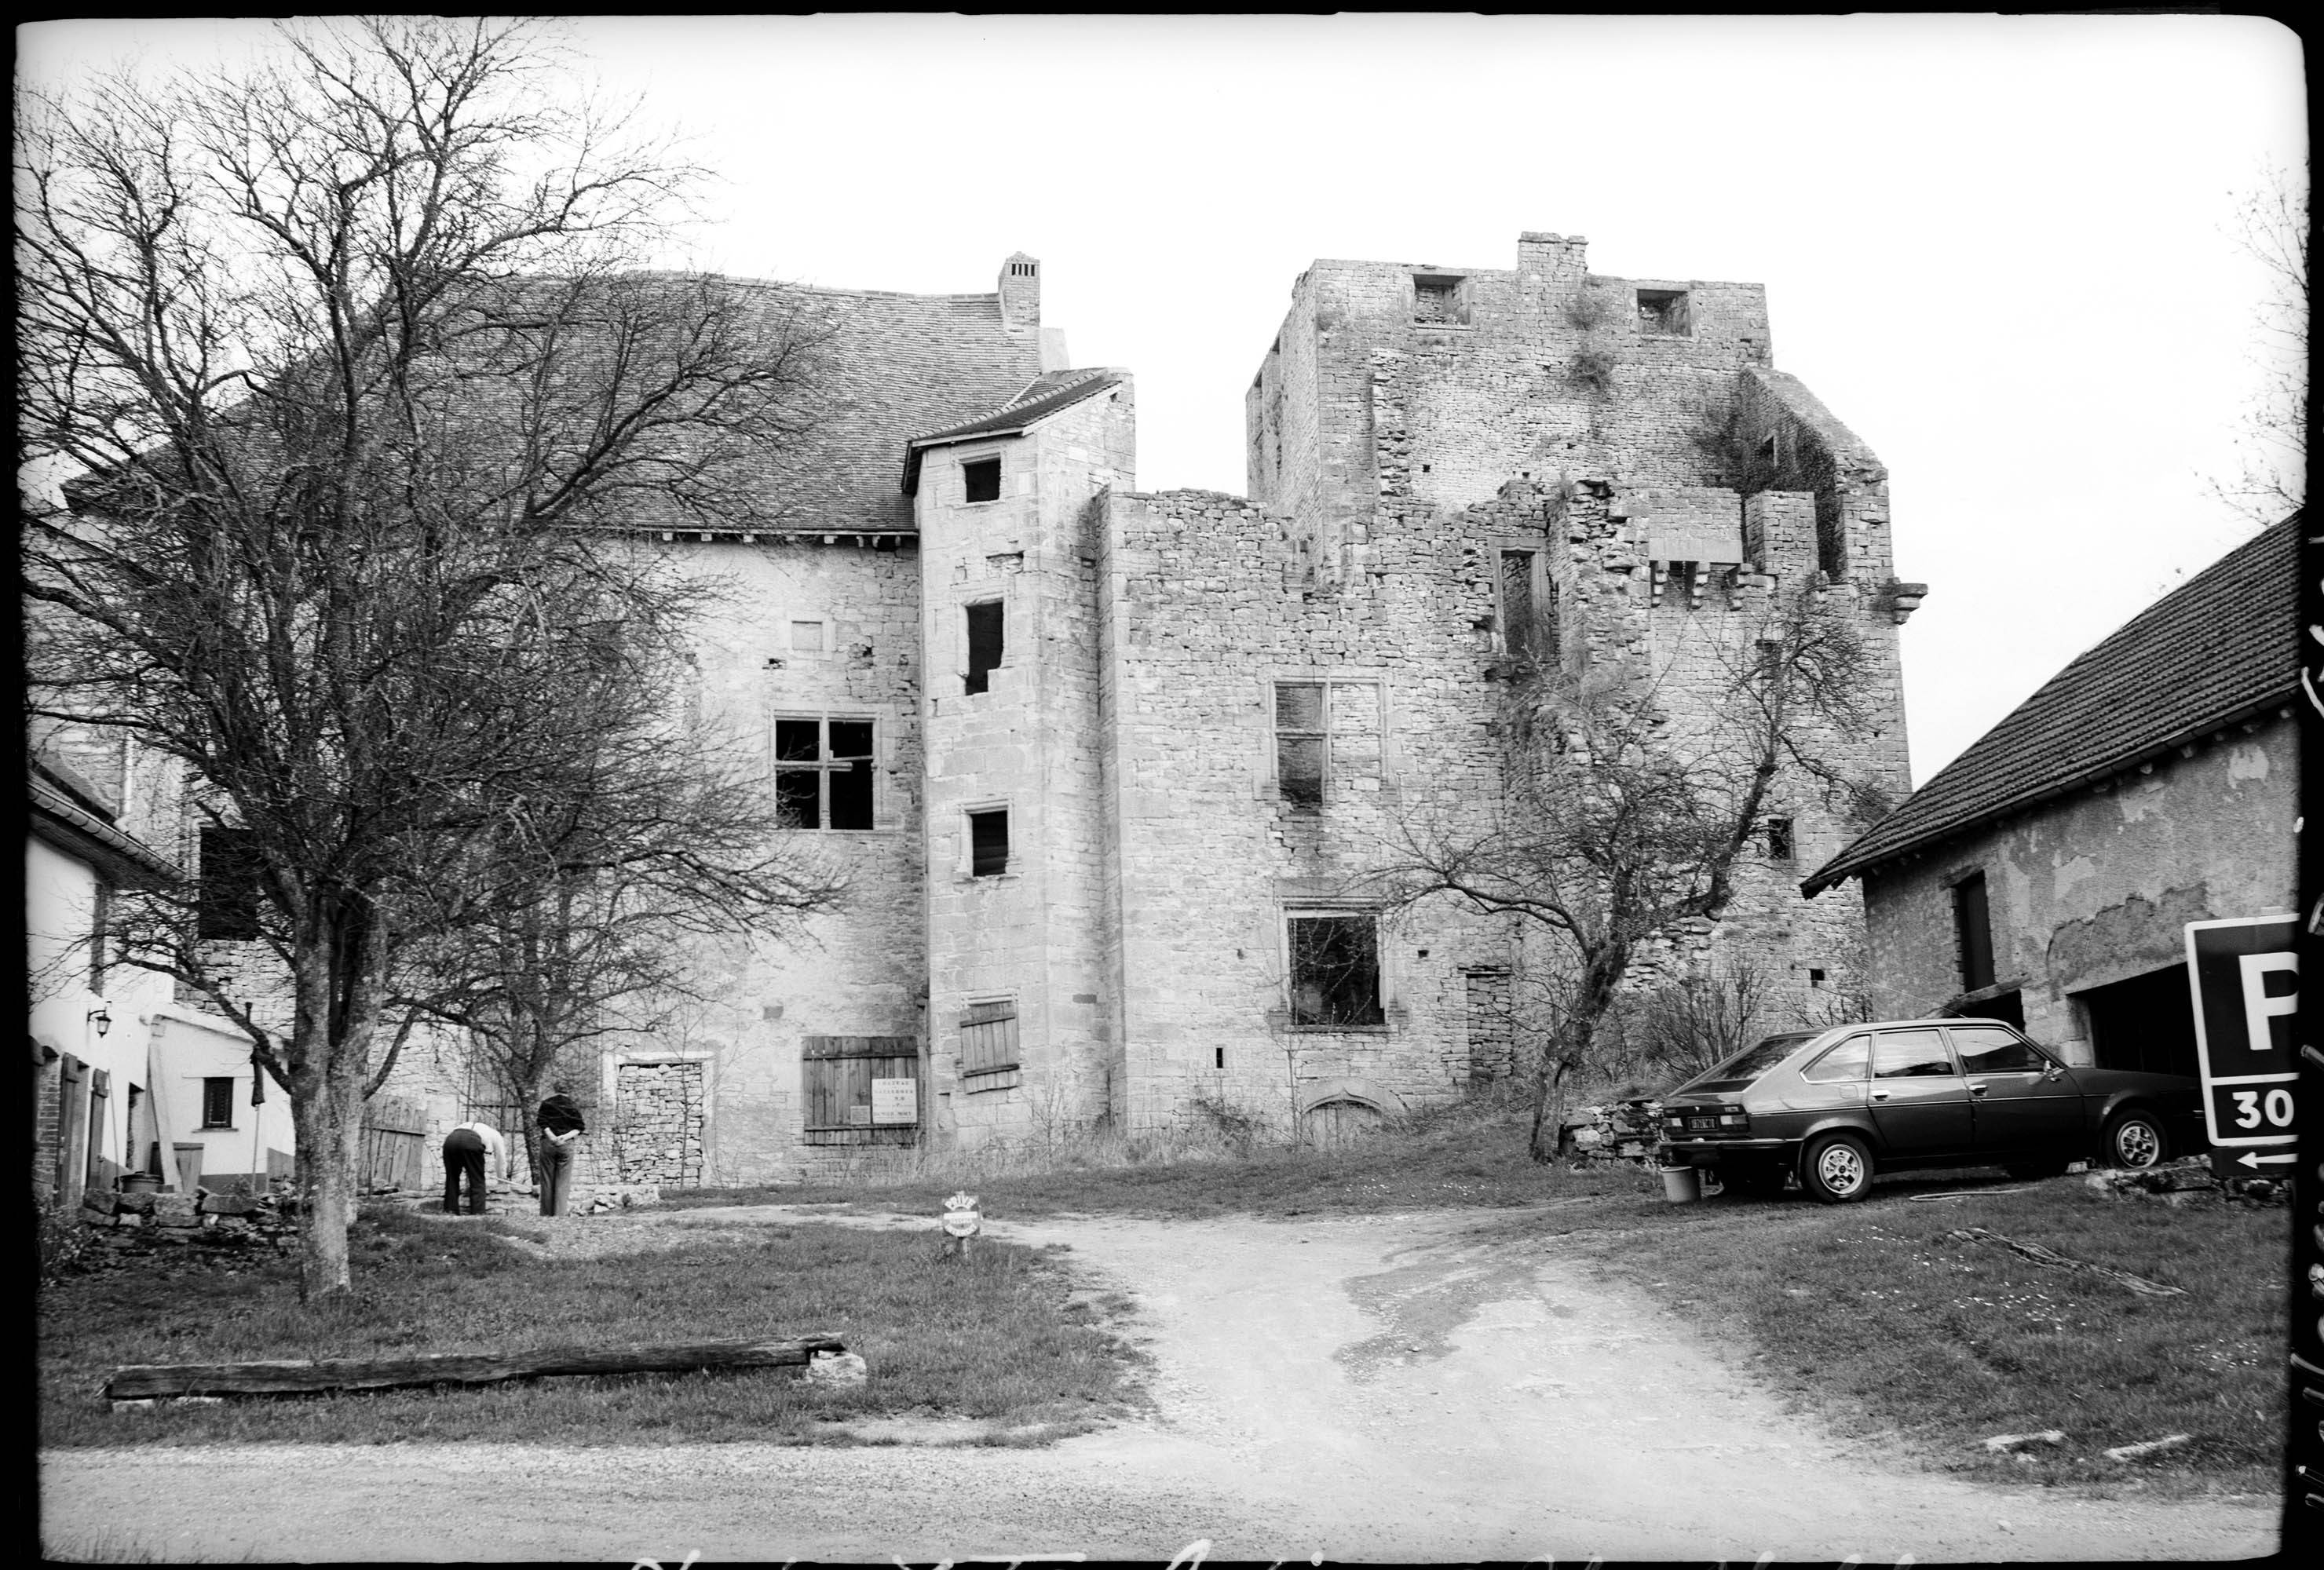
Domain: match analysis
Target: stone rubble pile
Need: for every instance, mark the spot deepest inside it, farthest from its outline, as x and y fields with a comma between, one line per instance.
x=1617, y=1131
x=2185, y=1181
x=140, y=1224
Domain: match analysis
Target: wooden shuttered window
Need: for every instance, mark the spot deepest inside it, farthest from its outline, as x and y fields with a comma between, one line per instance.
x=841, y=1106
x=987, y=1046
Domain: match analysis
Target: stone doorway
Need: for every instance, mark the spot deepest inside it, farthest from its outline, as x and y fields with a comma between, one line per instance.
x=658, y=1122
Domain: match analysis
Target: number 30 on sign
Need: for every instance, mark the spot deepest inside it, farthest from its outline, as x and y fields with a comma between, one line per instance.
x=2245, y=979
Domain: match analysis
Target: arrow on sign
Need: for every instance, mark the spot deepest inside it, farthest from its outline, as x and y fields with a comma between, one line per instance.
x=2250, y=1159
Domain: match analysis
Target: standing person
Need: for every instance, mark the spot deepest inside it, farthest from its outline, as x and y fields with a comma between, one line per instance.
x=560, y=1125
x=465, y=1150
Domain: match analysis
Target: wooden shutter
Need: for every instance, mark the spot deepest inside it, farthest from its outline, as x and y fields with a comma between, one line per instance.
x=988, y=1047
x=836, y=1075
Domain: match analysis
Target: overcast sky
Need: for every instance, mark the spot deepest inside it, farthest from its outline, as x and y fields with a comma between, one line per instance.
x=2000, y=249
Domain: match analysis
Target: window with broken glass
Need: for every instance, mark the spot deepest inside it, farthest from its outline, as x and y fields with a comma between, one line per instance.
x=1302, y=742
x=1335, y=981
x=823, y=773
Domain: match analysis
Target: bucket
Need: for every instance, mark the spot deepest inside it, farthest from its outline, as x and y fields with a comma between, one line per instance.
x=1680, y=1184
x=140, y=1183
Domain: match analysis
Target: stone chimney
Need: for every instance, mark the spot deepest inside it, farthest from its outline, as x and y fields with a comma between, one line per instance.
x=1021, y=291
x=1560, y=260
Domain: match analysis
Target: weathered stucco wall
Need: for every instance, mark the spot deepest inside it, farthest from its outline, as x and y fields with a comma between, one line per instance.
x=2097, y=886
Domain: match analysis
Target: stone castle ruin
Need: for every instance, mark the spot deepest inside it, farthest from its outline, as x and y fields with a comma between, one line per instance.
x=1101, y=763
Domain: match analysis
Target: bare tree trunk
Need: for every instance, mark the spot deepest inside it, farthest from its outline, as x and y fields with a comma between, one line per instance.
x=329, y=1125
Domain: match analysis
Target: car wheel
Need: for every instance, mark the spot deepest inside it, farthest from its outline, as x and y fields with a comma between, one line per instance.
x=2135, y=1140
x=2028, y=1170
x=1838, y=1169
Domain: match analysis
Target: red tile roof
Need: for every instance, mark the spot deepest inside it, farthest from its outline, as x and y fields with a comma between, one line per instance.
x=2217, y=648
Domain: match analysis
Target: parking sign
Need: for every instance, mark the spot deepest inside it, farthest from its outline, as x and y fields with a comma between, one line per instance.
x=2245, y=973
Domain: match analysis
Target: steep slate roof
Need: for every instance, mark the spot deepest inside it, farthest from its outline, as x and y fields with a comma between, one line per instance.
x=1044, y=396
x=2217, y=648
x=898, y=364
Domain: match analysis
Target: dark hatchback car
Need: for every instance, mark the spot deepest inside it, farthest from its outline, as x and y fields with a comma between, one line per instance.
x=1834, y=1106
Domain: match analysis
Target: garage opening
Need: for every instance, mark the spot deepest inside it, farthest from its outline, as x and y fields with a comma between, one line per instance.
x=2145, y=1024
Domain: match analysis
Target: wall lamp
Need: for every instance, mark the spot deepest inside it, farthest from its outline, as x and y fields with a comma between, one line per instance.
x=101, y=1017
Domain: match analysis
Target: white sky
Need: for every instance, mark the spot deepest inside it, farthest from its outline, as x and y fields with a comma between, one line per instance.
x=2000, y=249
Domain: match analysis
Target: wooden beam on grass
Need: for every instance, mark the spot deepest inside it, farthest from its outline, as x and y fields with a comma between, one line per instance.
x=146, y=1381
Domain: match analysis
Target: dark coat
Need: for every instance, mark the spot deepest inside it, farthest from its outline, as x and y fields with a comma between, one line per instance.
x=558, y=1115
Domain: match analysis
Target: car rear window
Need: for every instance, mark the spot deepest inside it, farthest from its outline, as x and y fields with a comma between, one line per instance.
x=1745, y=1066
x=1843, y=1062
x=1910, y=1055
x=1992, y=1049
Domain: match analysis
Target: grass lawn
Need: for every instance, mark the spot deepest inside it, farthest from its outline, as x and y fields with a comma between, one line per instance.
x=991, y=1339
x=1871, y=1316
x=1467, y=1156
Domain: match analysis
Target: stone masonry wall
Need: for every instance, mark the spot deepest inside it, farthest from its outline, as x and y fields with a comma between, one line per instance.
x=857, y=969
x=1204, y=612
x=658, y=1124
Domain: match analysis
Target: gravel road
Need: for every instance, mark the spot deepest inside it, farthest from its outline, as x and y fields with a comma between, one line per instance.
x=1391, y=1389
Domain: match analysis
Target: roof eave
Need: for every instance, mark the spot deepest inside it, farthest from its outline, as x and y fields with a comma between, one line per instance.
x=76, y=831
x=1841, y=867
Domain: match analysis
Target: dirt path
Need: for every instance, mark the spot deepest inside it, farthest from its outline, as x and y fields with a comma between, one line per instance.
x=1385, y=1389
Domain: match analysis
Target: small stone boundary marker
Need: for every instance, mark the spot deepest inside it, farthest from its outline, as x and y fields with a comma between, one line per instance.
x=138, y=1385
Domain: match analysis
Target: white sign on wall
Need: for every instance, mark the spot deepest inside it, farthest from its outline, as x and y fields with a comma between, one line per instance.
x=895, y=1101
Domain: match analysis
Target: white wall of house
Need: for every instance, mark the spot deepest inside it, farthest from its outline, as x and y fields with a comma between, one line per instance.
x=152, y=1051
x=191, y=1052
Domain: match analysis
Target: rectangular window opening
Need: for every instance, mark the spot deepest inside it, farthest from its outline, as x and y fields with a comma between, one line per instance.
x=1779, y=843
x=1521, y=625
x=988, y=643
x=981, y=480
x=1436, y=299
x=217, y=1103
x=1301, y=743
x=988, y=842
x=227, y=906
x=1336, y=970
x=1665, y=313
x=823, y=774
x=1973, y=931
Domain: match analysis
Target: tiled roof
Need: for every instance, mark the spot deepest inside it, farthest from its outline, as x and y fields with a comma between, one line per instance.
x=1043, y=395
x=898, y=363
x=2215, y=650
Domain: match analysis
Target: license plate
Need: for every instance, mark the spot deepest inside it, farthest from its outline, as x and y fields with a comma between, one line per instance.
x=1703, y=1123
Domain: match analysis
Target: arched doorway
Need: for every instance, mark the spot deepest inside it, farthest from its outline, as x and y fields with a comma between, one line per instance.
x=1341, y=1121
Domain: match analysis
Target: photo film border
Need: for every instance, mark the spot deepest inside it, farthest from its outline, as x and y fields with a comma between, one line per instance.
x=2303, y=1494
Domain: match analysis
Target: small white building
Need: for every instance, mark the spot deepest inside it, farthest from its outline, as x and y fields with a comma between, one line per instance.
x=126, y=1079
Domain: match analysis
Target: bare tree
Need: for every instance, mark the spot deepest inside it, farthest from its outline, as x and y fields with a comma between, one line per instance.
x=1687, y=1025
x=2271, y=227
x=1612, y=830
x=352, y=361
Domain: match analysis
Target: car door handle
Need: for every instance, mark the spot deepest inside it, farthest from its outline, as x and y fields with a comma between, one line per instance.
x=1977, y=1088
x=1880, y=1095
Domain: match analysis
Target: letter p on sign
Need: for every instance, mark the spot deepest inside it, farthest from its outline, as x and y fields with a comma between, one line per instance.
x=2263, y=1006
